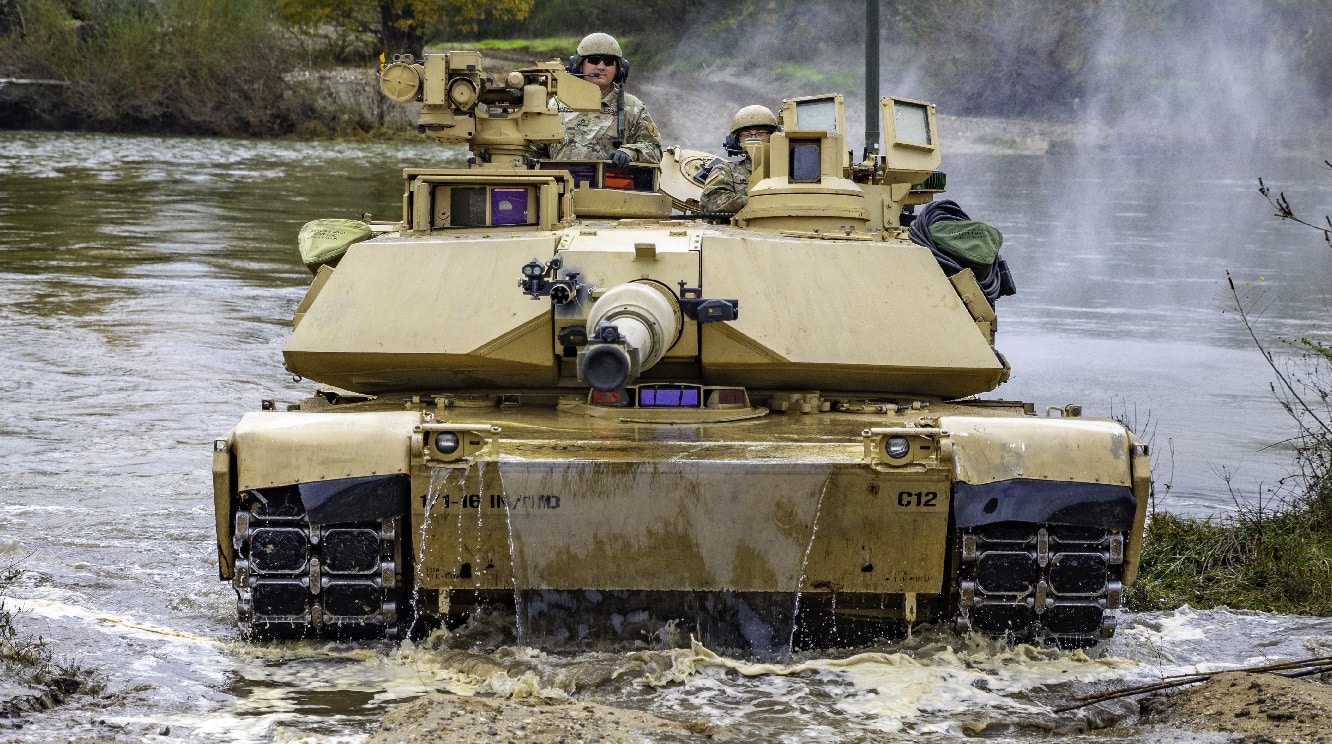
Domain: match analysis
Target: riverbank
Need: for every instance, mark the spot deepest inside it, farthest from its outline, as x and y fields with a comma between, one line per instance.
x=1257, y=707
x=32, y=680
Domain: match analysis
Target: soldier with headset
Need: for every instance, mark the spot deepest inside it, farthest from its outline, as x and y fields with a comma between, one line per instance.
x=622, y=131
x=728, y=189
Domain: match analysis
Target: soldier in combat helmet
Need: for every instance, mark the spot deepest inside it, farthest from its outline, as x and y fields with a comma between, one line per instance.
x=622, y=131
x=728, y=189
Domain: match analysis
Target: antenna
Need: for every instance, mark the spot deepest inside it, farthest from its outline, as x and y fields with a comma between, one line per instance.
x=871, y=75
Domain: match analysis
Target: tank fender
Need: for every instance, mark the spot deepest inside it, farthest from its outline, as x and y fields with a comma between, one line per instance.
x=224, y=490
x=347, y=466
x=281, y=448
x=1029, y=500
x=1056, y=470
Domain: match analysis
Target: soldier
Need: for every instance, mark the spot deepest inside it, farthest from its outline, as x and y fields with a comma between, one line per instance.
x=728, y=189
x=622, y=131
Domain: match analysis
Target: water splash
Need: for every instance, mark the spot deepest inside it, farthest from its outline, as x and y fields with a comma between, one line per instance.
x=439, y=478
x=519, y=607
x=804, y=563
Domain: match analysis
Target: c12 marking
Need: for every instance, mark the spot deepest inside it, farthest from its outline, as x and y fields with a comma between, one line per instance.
x=917, y=498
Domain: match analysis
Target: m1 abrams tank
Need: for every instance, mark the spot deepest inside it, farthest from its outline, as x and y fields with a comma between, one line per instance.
x=552, y=389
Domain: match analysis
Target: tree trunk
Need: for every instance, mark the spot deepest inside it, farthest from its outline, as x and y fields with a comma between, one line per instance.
x=399, y=31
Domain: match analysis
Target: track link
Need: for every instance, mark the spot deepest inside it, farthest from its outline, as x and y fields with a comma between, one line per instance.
x=1040, y=582
x=294, y=579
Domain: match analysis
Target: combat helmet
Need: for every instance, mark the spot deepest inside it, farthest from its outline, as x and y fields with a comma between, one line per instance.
x=599, y=43
x=749, y=117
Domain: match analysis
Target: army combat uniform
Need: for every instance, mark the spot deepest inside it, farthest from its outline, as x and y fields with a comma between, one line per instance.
x=728, y=189
x=589, y=135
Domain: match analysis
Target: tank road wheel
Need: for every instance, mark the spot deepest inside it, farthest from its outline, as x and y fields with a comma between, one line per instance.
x=295, y=579
x=1037, y=582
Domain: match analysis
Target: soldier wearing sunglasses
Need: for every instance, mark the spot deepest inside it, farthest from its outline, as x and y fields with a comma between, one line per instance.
x=622, y=131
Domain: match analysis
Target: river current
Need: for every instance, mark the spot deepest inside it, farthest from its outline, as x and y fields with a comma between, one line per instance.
x=146, y=290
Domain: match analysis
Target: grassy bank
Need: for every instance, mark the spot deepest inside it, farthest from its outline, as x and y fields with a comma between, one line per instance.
x=31, y=677
x=1280, y=562
x=1273, y=556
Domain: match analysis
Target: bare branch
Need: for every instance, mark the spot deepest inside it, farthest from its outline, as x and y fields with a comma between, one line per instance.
x=1271, y=362
x=1283, y=209
x=1300, y=668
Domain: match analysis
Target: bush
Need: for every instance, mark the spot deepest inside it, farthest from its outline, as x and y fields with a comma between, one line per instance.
x=1279, y=562
x=157, y=66
x=1274, y=557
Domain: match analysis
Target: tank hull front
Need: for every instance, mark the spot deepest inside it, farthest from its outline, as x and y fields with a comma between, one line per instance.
x=758, y=532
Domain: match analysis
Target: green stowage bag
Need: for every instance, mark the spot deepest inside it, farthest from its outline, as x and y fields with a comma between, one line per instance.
x=975, y=245
x=324, y=241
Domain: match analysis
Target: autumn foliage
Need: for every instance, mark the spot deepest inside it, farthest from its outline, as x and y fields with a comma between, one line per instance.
x=400, y=25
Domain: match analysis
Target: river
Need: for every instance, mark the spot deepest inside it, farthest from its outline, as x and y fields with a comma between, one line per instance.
x=146, y=289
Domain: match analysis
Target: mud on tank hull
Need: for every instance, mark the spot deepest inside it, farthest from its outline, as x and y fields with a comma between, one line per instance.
x=757, y=535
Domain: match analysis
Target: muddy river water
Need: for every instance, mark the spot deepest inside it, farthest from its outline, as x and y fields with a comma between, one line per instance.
x=146, y=287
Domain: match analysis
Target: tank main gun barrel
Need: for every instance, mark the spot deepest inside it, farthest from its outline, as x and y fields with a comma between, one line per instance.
x=631, y=327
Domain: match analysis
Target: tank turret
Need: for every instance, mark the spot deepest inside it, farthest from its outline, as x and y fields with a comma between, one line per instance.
x=612, y=447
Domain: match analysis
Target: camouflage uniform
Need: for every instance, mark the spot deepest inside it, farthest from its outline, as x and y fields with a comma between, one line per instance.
x=588, y=135
x=728, y=189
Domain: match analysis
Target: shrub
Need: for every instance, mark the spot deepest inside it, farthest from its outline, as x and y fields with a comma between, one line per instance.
x=1274, y=557
x=158, y=66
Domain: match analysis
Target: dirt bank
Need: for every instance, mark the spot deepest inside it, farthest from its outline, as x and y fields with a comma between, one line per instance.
x=456, y=718
x=1254, y=707
x=1259, y=707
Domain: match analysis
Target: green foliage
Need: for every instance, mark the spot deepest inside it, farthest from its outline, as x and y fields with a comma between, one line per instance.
x=551, y=46
x=1278, y=562
x=817, y=78
x=1317, y=348
x=168, y=65
x=1000, y=141
x=148, y=65
x=401, y=26
x=1270, y=557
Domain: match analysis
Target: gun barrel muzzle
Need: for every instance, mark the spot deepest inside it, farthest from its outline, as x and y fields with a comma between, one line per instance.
x=649, y=322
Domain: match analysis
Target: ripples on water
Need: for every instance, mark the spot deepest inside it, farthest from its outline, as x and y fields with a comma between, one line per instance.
x=146, y=289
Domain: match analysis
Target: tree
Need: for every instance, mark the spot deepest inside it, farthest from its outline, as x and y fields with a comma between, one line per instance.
x=1002, y=57
x=400, y=25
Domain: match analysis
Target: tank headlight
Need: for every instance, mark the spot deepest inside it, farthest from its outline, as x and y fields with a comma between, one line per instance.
x=896, y=447
x=446, y=442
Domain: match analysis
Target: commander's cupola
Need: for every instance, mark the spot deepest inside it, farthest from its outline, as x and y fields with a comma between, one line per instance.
x=803, y=179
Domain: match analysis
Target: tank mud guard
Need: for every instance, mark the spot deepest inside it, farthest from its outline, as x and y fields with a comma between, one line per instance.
x=322, y=560
x=1035, y=500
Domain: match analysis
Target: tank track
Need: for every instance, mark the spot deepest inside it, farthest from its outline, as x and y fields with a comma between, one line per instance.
x=294, y=579
x=1040, y=582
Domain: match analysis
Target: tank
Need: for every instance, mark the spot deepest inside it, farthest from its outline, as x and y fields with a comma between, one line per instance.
x=555, y=392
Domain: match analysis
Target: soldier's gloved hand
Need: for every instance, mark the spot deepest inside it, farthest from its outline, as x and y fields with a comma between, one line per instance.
x=620, y=157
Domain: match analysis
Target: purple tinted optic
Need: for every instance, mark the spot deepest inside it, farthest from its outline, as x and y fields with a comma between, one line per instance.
x=667, y=397
x=508, y=207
